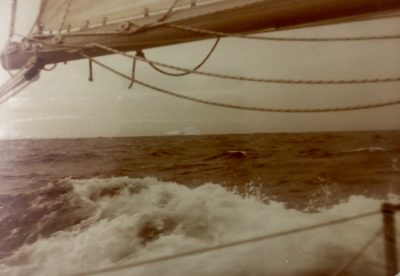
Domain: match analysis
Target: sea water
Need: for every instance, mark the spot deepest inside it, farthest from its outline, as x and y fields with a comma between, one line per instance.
x=80, y=213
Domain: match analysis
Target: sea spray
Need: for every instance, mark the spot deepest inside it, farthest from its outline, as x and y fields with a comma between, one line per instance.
x=124, y=220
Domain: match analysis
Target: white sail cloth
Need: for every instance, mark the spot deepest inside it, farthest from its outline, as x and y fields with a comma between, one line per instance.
x=59, y=15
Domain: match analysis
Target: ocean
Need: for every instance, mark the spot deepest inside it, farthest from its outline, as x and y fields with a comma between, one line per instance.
x=74, y=206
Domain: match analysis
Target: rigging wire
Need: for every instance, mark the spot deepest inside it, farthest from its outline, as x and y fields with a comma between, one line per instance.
x=169, y=11
x=247, y=108
x=13, y=19
x=261, y=109
x=358, y=254
x=229, y=245
x=139, y=53
x=38, y=17
x=66, y=11
x=245, y=78
x=293, y=39
x=186, y=72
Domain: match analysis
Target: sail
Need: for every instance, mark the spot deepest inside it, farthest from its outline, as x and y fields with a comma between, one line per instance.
x=61, y=15
x=209, y=18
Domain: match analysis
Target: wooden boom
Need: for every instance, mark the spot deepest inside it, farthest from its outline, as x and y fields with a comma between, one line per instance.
x=235, y=16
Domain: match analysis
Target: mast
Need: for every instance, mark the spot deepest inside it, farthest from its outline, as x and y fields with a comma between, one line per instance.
x=149, y=31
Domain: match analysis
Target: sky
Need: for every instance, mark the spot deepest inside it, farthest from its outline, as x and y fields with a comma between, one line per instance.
x=64, y=104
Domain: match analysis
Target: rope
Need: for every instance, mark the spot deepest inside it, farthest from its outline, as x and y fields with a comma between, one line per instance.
x=245, y=78
x=187, y=72
x=37, y=23
x=168, y=13
x=294, y=39
x=278, y=110
x=238, y=107
x=133, y=74
x=66, y=11
x=358, y=254
x=228, y=245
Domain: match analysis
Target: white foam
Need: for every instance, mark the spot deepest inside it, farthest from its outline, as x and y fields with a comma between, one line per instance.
x=395, y=164
x=136, y=219
x=367, y=149
x=191, y=130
